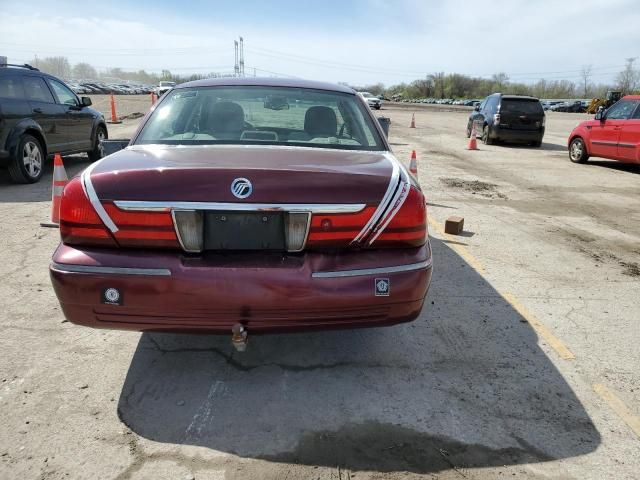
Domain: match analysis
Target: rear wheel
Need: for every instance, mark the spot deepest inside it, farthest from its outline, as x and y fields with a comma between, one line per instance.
x=27, y=164
x=578, y=151
x=98, y=150
x=486, y=139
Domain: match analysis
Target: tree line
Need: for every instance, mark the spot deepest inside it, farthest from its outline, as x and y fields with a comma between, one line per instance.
x=61, y=67
x=435, y=85
x=455, y=85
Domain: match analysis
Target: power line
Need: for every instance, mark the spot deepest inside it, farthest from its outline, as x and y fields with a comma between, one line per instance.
x=362, y=68
x=126, y=51
x=286, y=75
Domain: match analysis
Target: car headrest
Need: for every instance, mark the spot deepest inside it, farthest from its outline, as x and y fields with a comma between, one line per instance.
x=226, y=117
x=321, y=121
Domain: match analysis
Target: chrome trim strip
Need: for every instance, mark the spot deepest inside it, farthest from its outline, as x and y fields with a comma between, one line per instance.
x=240, y=207
x=393, y=183
x=91, y=194
x=397, y=202
x=153, y=272
x=374, y=271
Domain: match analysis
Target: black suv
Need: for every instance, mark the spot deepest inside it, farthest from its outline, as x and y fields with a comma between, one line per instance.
x=513, y=118
x=40, y=116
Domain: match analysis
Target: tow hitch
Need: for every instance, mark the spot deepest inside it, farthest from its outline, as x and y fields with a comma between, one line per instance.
x=239, y=338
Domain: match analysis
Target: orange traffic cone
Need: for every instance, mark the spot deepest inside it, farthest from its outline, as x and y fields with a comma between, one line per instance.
x=153, y=98
x=114, y=117
x=60, y=179
x=413, y=121
x=473, y=141
x=413, y=164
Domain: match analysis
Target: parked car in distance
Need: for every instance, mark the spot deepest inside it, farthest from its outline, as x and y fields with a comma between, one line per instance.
x=273, y=222
x=613, y=133
x=548, y=104
x=511, y=118
x=575, y=106
x=98, y=88
x=91, y=89
x=78, y=89
x=372, y=100
x=39, y=116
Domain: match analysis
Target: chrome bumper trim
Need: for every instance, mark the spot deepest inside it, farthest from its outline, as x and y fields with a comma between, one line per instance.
x=67, y=268
x=374, y=271
x=240, y=207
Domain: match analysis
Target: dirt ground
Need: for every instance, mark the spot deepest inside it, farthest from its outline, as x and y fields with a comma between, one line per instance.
x=524, y=362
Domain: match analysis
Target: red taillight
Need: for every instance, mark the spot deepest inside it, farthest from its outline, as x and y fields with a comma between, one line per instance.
x=409, y=226
x=143, y=229
x=81, y=225
x=79, y=222
x=338, y=229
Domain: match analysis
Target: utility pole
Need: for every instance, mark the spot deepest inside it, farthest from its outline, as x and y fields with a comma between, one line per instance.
x=236, y=67
x=241, y=57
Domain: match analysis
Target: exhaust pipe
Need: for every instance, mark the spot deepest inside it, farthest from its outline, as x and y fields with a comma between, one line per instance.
x=239, y=337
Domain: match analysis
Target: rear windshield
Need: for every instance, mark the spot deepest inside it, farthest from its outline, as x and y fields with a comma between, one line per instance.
x=242, y=115
x=522, y=107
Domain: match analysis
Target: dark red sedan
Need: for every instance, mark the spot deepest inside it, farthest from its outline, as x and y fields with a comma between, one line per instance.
x=276, y=205
x=614, y=134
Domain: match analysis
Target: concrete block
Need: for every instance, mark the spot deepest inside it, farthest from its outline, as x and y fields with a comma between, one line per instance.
x=454, y=225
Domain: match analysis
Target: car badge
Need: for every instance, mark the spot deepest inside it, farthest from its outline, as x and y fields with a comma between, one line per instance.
x=112, y=296
x=241, y=188
x=383, y=286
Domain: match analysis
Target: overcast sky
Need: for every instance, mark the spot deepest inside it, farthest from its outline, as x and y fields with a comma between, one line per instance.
x=357, y=41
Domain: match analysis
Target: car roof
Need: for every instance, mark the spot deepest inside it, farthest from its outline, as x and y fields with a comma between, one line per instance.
x=267, y=82
x=631, y=97
x=11, y=70
x=19, y=70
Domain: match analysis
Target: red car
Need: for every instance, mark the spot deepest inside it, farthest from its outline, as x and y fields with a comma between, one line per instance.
x=275, y=205
x=614, y=134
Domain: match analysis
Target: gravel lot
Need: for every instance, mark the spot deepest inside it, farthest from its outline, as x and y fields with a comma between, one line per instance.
x=524, y=362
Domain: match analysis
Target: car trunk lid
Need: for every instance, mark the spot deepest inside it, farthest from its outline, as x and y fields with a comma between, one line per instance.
x=277, y=175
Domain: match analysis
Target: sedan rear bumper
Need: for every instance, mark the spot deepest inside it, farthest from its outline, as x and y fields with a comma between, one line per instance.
x=169, y=291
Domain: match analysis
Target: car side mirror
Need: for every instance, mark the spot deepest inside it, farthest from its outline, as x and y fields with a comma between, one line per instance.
x=600, y=114
x=110, y=146
x=86, y=101
x=477, y=108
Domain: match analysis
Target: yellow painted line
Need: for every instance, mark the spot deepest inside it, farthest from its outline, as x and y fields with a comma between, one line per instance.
x=618, y=406
x=554, y=342
x=459, y=249
x=558, y=345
